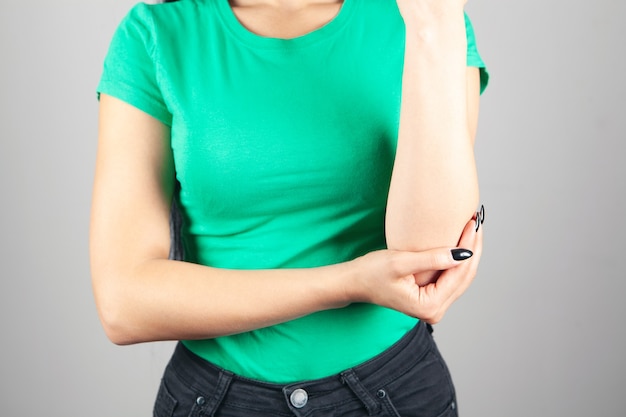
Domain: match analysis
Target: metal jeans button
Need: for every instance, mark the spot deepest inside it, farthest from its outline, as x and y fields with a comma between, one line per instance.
x=299, y=398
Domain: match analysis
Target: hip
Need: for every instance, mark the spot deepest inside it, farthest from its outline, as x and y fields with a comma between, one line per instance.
x=409, y=379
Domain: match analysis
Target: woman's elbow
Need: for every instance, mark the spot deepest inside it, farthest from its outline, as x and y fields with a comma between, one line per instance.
x=113, y=310
x=117, y=334
x=116, y=325
x=437, y=228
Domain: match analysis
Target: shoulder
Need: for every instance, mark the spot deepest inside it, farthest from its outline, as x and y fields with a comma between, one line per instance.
x=177, y=9
x=169, y=25
x=174, y=15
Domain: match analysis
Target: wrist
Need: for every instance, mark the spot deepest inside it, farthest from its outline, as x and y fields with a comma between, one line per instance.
x=335, y=285
x=348, y=285
x=444, y=31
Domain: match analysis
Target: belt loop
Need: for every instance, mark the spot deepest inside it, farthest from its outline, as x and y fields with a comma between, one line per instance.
x=350, y=379
x=221, y=387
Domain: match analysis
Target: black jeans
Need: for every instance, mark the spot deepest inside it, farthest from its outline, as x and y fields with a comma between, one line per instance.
x=410, y=379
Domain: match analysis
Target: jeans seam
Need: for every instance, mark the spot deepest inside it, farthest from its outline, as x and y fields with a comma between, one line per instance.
x=403, y=370
x=446, y=372
x=359, y=389
x=391, y=409
x=449, y=384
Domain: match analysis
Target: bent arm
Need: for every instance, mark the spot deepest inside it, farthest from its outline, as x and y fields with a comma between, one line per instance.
x=143, y=296
x=434, y=186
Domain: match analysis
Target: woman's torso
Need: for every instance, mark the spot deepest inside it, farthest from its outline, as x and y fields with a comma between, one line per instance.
x=283, y=149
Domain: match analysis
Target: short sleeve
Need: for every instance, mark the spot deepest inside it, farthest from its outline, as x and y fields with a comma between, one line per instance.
x=130, y=70
x=473, y=57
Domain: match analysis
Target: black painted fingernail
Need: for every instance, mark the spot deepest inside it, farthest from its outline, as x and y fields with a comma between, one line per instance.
x=461, y=254
x=482, y=214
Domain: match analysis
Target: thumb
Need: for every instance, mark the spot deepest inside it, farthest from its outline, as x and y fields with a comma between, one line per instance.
x=439, y=259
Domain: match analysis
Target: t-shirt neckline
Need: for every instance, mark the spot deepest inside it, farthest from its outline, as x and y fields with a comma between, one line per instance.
x=324, y=32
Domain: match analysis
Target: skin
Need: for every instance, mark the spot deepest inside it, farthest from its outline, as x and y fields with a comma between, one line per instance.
x=142, y=296
x=435, y=170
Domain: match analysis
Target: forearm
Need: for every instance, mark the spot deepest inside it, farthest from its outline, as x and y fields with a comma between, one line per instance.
x=434, y=186
x=169, y=300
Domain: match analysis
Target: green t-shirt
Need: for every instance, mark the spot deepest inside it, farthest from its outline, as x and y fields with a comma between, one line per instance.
x=283, y=150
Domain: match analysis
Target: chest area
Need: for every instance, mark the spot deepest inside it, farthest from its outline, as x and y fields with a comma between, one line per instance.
x=317, y=123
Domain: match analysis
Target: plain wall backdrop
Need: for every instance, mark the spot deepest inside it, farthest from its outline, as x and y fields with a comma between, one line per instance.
x=541, y=331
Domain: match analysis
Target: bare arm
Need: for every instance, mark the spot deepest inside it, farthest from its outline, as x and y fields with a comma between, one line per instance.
x=143, y=296
x=434, y=187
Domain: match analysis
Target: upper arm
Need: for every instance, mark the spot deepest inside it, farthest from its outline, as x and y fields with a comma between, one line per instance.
x=473, y=100
x=132, y=191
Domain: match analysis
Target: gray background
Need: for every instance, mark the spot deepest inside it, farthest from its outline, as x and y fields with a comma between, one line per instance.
x=540, y=333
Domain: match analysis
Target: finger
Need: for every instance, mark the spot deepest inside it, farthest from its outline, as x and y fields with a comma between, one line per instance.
x=452, y=283
x=428, y=299
x=463, y=277
x=469, y=232
x=463, y=280
x=440, y=259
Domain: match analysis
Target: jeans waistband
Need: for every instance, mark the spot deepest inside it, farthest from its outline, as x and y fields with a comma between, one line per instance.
x=361, y=383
